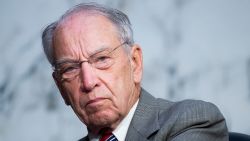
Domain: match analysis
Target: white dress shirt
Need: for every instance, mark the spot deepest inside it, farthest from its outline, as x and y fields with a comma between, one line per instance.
x=122, y=129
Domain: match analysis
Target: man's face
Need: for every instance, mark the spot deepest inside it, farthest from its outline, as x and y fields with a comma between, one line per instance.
x=100, y=97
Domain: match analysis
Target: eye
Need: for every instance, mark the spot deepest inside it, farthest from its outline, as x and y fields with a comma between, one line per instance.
x=70, y=69
x=101, y=59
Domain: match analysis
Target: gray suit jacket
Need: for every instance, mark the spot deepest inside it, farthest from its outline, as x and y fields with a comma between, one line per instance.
x=162, y=120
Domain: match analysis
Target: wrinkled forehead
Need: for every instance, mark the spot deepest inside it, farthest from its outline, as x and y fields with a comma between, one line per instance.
x=85, y=22
x=87, y=27
x=86, y=32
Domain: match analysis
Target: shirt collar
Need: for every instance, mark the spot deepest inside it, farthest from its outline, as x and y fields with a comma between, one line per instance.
x=122, y=129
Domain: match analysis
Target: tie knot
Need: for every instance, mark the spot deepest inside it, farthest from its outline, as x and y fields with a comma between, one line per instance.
x=108, y=136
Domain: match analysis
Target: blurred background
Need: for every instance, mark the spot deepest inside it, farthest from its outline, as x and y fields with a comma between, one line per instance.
x=193, y=49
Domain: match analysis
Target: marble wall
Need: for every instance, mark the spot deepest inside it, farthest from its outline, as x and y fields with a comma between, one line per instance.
x=195, y=49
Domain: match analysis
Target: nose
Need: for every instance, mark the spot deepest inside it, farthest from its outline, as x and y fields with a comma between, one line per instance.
x=88, y=77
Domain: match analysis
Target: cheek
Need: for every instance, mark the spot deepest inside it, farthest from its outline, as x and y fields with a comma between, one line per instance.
x=72, y=89
x=123, y=75
x=122, y=85
x=77, y=99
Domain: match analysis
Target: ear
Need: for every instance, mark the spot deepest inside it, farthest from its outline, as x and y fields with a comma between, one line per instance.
x=60, y=87
x=137, y=62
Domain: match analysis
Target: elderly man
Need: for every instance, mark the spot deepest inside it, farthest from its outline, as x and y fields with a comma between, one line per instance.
x=98, y=70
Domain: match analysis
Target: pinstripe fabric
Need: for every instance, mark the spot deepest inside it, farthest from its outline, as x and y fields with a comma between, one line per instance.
x=188, y=120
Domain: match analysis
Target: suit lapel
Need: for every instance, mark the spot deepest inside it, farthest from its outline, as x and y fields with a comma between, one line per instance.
x=145, y=120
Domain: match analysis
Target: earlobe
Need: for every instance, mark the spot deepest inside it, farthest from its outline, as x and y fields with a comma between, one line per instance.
x=62, y=92
x=136, y=56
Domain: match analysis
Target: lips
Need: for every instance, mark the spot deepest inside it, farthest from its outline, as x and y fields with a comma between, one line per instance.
x=94, y=102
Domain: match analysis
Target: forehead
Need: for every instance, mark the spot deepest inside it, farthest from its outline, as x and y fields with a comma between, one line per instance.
x=85, y=32
x=88, y=25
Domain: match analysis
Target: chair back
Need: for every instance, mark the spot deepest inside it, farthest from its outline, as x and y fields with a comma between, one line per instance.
x=233, y=136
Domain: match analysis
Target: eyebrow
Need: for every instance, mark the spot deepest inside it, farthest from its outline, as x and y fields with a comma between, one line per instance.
x=66, y=60
x=63, y=60
x=101, y=49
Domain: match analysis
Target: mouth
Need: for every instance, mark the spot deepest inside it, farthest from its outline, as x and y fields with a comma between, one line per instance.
x=95, y=102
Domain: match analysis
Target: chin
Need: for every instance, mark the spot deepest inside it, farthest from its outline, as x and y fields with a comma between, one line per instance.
x=103, y=120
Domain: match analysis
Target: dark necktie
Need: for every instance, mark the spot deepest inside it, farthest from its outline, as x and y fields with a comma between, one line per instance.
x=108, y=136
